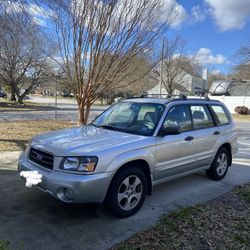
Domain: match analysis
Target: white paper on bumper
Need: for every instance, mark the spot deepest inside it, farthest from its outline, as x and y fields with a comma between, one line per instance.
x=32, y=178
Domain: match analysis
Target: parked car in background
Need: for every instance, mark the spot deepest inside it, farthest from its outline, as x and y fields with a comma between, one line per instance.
x=3, y=95
x=131, y=147
x=117, y=99
x=67, y=94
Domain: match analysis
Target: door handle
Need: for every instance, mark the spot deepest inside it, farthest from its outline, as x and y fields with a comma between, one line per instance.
x=216, y=132
x=189, y=138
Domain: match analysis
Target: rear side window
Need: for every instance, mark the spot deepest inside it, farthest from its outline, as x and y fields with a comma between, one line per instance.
x=201, y=117
x=222, y=117
x=179, y=116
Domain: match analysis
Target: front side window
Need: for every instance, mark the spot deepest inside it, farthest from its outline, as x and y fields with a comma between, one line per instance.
x=201, y=117
x=131, y=117
x=221, y=116
x=179, y=116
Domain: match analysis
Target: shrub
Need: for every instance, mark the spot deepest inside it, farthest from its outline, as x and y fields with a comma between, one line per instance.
x=241, y=110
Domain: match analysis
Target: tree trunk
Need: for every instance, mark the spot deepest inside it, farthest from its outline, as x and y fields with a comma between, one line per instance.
x=87, y=111
x=170, y=88
x=22, y=96
x=20, y=99
x=13, y=96
x=81, y=120
x=83, y=113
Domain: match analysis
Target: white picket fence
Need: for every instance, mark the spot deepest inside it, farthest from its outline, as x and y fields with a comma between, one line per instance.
x=233, y=101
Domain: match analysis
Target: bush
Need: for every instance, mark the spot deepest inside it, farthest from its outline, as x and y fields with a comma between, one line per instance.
x=242, y=110
x=4, y=244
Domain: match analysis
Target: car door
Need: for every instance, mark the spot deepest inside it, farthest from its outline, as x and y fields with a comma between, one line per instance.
x=204, y=134
x=175, y=154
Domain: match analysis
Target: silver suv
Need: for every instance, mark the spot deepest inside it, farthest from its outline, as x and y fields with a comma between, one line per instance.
x=131, y=147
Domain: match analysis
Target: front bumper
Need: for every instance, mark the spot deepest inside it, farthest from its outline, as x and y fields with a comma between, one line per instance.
x=72, y=188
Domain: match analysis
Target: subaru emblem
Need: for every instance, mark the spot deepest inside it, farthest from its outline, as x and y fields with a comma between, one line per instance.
x=40, y=157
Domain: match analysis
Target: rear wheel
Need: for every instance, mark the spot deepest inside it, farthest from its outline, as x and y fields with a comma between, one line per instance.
x=220, y=165
x=127, y=192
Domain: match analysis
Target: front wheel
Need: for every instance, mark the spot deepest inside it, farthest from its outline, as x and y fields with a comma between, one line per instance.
x=220, y=165
x=127, y=192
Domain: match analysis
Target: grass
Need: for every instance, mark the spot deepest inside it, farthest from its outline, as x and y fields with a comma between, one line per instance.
x=9, y=106
x=219, y=224
x=244, y=193
x=15, y=135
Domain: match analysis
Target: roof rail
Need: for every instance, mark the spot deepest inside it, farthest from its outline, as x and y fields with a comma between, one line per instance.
x=181, y=96
x=200, y=94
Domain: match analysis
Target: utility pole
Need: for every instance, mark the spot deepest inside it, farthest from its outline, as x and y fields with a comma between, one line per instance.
x=161, y=69
x=56, y=101
x=205, y=78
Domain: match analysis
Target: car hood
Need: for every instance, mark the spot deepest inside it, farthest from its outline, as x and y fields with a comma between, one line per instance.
x=79, y=140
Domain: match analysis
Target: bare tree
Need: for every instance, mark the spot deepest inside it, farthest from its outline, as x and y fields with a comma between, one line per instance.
x=244, y=53
x=241, y=71
x=23, y=66
x=99, y=39
x=175, y=63
x=139, y=77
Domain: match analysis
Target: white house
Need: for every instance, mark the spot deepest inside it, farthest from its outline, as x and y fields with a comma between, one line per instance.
x=184, y=83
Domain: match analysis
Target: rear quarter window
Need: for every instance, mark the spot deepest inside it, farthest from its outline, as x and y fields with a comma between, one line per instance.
x=221, y=115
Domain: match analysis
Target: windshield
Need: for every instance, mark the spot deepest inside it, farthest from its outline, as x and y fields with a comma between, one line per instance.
x=131, y=117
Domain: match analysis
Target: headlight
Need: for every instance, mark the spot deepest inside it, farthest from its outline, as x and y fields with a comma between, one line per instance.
x=79, y=164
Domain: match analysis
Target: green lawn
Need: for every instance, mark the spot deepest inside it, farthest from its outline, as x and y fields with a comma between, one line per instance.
x=241, y=117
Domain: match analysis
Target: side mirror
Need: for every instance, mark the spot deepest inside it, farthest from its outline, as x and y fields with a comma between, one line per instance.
x=170, y=130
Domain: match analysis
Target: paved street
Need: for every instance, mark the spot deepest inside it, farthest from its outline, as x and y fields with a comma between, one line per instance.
x=66, y=110
x=32, y=220
x=66, y=113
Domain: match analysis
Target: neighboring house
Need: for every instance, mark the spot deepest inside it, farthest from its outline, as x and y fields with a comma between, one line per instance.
x=156, y=91
x=240, y=88
x=184, y=83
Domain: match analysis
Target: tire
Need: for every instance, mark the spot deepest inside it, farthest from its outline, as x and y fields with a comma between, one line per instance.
x=220, y=165
x=127, y=192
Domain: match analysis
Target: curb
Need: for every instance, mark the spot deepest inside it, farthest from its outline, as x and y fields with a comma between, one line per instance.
x=7, y=157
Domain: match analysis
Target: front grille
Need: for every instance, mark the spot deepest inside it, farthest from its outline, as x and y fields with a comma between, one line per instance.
x=43, y=159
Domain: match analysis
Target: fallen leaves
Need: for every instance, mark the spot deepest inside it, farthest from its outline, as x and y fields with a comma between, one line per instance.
x=15, y=135
x=219, y=224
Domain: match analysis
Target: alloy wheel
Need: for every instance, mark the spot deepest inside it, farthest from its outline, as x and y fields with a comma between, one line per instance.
x=222, y=164
x=130, y=192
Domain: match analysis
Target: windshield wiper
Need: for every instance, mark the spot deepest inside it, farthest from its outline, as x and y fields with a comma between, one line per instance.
x=92, y=124
x=111, y=127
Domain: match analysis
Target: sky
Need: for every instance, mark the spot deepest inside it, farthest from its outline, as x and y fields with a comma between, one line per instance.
x=215, y=29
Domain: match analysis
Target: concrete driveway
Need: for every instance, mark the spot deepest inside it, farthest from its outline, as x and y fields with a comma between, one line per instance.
x=31, y=220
